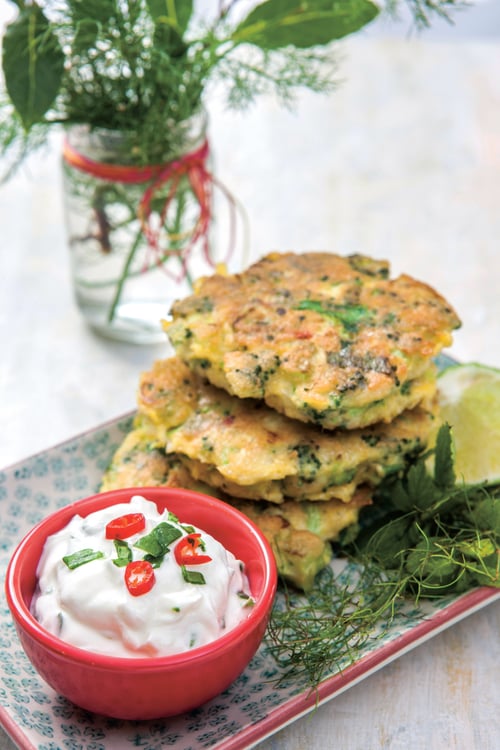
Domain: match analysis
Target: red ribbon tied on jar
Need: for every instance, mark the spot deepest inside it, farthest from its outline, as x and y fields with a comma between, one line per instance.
x=191, y=166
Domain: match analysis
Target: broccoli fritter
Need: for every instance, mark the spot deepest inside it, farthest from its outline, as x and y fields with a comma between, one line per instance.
x=322, y=338
x=299, y=533
x=246, y=449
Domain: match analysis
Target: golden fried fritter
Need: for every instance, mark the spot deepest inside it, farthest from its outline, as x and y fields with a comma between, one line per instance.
x=246, y=449
x=297, y=532
x=141, y=461
x=321, y=338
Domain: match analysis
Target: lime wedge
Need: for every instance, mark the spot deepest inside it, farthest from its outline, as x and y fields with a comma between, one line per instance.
x=469, y=398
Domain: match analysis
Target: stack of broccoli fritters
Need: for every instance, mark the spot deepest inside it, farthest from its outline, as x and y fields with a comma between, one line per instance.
x=296, y=387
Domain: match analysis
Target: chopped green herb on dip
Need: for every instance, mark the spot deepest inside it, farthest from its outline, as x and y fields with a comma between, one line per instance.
x=130, y=581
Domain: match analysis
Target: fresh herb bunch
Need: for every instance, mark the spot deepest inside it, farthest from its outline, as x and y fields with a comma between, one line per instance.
x=437, y=535
x=427, y=536
x=142, y=65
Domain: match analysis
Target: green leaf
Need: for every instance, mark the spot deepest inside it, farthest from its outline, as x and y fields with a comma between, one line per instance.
x=420, y=486
x=486, y=515
x=123, y=553
x=167, y=39
x=349, y=535
x=184, y=10
x=171, y=18
x=96, y=11
x=400, y=498
x=444, y=473
x=86, y=35
x=193, y=576
x=349, y=316
x=387, y=543
x=431, y=563
x=87, y=18
x=489, y=572
x=81, y=557
x=33, y=64
x=177, y=12
x=157, y=542
x=278, y=23
x=480, y=548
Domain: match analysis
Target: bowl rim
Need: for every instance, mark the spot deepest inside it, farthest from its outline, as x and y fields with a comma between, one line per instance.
x=25, y=620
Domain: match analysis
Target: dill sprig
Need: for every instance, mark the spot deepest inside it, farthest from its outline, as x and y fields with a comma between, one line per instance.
x=321, y=633
x=427, y=536
x=423, y=12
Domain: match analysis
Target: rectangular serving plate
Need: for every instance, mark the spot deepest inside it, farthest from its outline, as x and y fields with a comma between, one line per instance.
x=254, y=707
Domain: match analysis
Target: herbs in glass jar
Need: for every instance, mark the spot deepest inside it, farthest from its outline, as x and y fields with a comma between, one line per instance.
x=128, y=81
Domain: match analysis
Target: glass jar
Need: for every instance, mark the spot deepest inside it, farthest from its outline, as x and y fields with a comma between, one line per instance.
x=137, y=235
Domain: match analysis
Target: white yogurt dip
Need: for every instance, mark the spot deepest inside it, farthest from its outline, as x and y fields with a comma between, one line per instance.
x=189, y=603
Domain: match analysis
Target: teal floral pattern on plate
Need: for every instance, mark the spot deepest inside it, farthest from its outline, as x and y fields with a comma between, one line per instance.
x=253, y=707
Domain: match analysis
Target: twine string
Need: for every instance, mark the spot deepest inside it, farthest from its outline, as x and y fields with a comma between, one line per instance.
x=169, y=175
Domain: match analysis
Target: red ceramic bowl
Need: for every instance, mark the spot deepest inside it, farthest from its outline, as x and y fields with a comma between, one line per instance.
x=146, y=687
